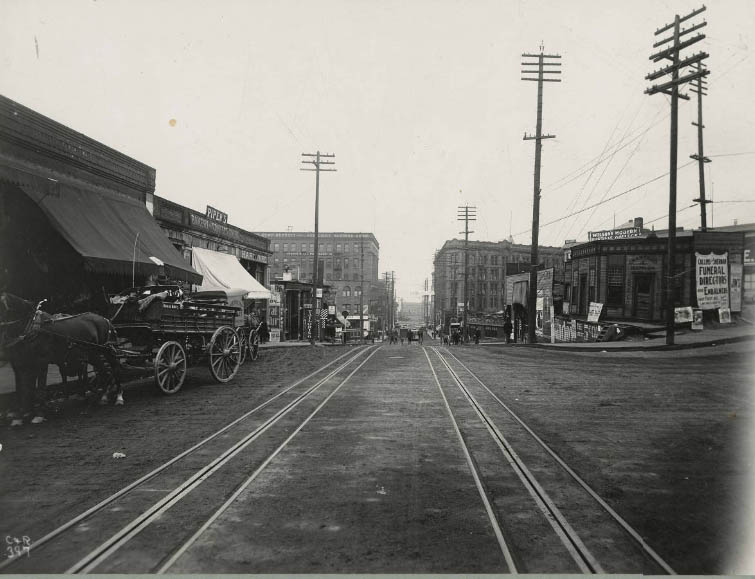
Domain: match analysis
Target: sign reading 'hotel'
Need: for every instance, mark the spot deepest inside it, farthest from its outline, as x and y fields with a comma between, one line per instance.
x=615, y=233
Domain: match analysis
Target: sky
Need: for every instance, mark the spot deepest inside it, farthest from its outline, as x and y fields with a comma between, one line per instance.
x=420, y=100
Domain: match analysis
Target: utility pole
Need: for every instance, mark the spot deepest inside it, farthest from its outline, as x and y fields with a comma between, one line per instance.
x=361, y=292
x=671, y=88
x=315, y=159
x=699, y=87
x=466, y=213
x=541, y=63
x=393, y=299
x=386, y=311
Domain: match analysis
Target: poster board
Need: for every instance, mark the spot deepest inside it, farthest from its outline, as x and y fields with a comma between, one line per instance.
x=683, y=315
x=724, y=315
x=697, y=319
x=712, y=280
x=594, y=312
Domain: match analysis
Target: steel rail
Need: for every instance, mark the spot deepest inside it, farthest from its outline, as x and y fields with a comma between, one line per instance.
x=618, y=518
x=579, y=552
x=131, y=529
x=125, y=490
x=478, y=483
x=187, y=545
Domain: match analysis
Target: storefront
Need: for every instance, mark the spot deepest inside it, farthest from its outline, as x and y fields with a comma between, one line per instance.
x=628, y=276
x=550, y=293
x=73, y=219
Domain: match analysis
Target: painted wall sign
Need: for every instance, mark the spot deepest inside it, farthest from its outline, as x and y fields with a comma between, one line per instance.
x=615, y=233
x=712, y=280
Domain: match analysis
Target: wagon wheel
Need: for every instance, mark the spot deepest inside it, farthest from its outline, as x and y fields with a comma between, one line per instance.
x=225, y=354
x=243, y=345
x=170, y=367
x=254, y=344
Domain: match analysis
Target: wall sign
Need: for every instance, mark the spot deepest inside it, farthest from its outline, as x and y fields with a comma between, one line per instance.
x=615, y=233
x=216, y=215
x=593, y=314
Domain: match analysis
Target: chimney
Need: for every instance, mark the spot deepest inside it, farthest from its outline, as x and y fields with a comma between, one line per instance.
x=638, y=222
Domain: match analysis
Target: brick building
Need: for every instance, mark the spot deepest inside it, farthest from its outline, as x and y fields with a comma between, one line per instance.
x=488, y=264
x=339, y=254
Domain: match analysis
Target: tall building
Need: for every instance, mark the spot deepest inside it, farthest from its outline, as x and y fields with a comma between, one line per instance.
x=340, y=257
x=487, y=267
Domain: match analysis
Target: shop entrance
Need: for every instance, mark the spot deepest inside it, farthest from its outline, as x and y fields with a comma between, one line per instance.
x=643, y=296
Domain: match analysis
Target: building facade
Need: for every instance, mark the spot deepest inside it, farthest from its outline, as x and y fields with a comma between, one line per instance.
x=74, y=224
x=487, y=267
x=187, y=228
x=628, y=276
x=340, y=255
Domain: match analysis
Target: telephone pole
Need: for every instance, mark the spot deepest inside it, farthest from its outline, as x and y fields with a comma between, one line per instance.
x=466, y=213
x=361, y=291
x=315, y=159
x=699, y=87
x=671, y=88
x=543, y=61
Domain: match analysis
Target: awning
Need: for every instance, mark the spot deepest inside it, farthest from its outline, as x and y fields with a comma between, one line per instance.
x=223, y=271
x=112, y=232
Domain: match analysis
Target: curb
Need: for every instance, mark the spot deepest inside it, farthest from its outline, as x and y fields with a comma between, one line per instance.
x=608, y=348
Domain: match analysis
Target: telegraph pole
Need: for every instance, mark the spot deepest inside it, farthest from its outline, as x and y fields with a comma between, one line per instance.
x=466, y=213
x=393, y=298
x=541, y=63
x=671, y=88
x=315, y=159
x=699, y=87
x=361, y=291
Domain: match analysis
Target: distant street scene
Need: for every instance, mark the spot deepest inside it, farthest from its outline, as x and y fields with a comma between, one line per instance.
x=379, y=288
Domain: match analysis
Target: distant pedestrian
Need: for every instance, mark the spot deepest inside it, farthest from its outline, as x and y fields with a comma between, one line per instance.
x=477, y=336
x=421, y=335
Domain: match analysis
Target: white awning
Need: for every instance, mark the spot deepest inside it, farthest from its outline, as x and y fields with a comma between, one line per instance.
x=223, y=271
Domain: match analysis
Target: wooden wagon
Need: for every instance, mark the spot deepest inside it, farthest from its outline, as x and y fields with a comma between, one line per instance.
x=160, y=332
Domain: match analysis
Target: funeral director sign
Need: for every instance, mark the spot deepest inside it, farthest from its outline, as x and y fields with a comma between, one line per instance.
x=712, y=281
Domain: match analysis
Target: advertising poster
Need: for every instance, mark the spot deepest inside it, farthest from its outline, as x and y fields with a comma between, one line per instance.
x=712, y=280
x=724, y=315
x=683, y=315
x=735, y=287
x=697, y=320
x=594, y=313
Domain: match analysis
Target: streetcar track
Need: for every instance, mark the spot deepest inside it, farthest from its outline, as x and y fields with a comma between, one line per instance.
x=241, y=488
x=593, y=494
x=581, y=555
x=134, y=486
x=98, y=555
x=478, y=482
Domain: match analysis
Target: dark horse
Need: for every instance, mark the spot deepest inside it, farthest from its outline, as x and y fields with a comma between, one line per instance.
x=31, y=340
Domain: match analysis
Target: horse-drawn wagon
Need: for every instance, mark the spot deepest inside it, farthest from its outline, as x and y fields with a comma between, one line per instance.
x=162, y=333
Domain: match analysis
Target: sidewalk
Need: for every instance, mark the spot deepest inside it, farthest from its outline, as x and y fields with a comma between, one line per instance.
x=683, y=339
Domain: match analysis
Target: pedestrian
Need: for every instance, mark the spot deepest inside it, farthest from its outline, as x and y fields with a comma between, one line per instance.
x=477, y=336
x=507, y=329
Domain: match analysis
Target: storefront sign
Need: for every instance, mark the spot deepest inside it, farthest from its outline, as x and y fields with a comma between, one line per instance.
x=615, y=233
x=593, y=315
x=683, y=315
x=216, y=215
x=712, y=281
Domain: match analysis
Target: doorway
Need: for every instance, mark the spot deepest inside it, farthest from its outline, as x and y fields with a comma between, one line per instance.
x=643, y=296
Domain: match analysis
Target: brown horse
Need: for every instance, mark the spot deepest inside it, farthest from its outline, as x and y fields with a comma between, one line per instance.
x=31, y=340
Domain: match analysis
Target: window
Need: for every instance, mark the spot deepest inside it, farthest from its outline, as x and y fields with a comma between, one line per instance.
x=358, y=290
x=277, y=247
x=356, y=277
x=615, y=295
x=330, y=247
x=311, y=247
x=346, y=248
x=346, y=262
x=285, y=247
x=338, y=248
x=293, y=247
x=347, y=291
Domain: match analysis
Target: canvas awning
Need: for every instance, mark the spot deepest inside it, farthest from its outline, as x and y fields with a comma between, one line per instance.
x=113, y=233
x=223, y=271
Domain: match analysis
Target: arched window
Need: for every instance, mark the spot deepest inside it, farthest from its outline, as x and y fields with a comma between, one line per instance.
x=358, y=290
x=347, y=291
